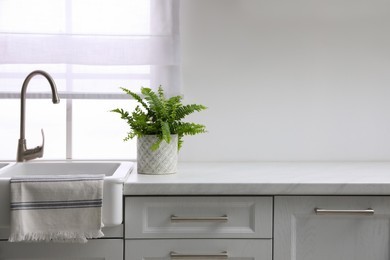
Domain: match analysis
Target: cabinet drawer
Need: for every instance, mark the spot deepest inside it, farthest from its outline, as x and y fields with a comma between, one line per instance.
x=190, y=249
x=198, y=217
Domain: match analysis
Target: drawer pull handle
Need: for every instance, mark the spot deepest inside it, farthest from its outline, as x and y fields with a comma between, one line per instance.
x=222, y=255
x=367, y=212
x=175, y=218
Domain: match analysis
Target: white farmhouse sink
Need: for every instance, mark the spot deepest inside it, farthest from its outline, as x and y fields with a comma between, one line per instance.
x=3, y=165
x=115, y=173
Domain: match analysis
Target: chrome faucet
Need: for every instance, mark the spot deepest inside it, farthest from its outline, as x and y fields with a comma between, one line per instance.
x=25, y=154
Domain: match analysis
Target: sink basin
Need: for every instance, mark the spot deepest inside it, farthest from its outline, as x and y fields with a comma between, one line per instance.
x=115, y=173
x=3, y=165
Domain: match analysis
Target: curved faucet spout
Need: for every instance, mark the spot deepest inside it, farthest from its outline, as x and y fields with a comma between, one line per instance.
x=25, y=154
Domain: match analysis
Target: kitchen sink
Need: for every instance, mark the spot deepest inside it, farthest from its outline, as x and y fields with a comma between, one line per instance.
x=115, y=173
x=3, y=165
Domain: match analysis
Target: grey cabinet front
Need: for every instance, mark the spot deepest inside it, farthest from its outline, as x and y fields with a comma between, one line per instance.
x=198, y=217
x=331, y=227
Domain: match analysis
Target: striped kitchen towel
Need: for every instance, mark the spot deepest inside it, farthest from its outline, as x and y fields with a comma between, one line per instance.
x=62, y=208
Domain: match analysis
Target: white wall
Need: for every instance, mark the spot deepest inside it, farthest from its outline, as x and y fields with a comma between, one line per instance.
x=287, y=79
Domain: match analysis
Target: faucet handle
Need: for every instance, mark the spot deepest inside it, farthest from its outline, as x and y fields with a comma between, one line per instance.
x=37, y=152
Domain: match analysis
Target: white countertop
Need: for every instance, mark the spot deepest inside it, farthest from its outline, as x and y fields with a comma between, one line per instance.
x=266, y=178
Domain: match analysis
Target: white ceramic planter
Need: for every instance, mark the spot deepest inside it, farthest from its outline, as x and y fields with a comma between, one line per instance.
x=161, y=161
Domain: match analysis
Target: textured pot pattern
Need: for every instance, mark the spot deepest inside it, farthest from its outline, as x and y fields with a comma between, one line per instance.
x=160, y=161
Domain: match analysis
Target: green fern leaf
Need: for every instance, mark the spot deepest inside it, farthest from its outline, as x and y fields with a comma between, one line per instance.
x=186, y=110
x=179, y=143
x=190, y=129
x=136, y=97
x=166, y=133
x=156, y=105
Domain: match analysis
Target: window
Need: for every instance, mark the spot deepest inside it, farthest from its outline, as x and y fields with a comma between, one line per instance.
x=90, y=48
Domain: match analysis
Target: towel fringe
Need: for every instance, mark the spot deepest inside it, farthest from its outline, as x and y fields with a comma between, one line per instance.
x=65, y=236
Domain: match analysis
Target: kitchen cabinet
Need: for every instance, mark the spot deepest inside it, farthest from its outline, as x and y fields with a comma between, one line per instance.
x=331, y=227
x=296, y=189
x=185, y=227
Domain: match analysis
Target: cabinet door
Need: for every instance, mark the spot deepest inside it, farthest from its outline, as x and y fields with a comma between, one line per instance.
x=108, y=249
x=195, y=249
x=339, y=228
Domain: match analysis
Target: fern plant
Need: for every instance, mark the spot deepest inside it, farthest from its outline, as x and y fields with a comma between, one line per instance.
x=157, y=115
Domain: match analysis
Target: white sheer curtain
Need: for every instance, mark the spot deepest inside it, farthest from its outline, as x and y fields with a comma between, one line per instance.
x=111, y=35
x=91, y=48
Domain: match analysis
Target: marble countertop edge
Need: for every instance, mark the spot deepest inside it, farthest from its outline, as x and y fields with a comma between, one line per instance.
x=275, y=178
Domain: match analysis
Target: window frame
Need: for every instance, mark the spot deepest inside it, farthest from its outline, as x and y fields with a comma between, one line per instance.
x=69, y=75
